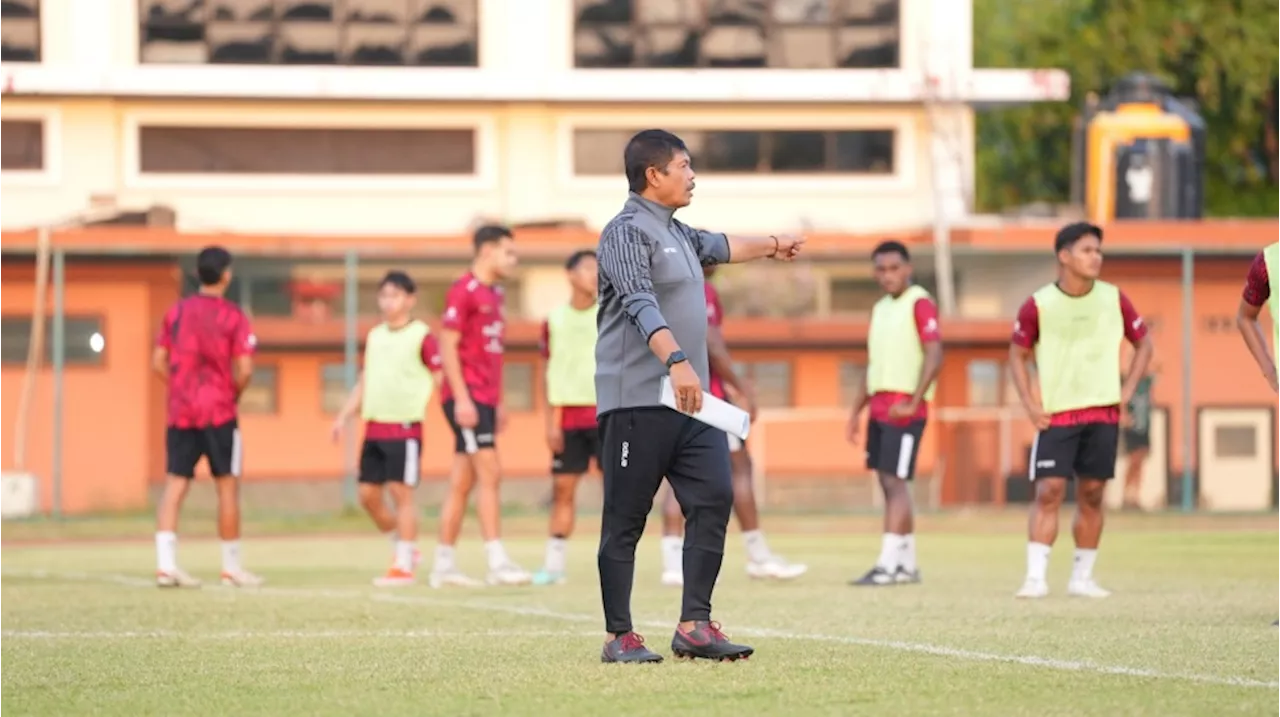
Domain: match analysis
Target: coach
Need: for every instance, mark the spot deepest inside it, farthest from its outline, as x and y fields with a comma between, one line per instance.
x=652, y=323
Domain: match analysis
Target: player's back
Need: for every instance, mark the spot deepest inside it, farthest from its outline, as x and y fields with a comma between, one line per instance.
x=202, y=335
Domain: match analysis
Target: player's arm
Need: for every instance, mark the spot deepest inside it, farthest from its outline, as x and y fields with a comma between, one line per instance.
x=1135, y=331
x=722, y=366
x=243, y=344
x=457, y=309
x=352, y=404
x=552, y=413
x=431, y=358
x=164, y=344
x=1026, y=332
x=926, y=316
x=1257, y=290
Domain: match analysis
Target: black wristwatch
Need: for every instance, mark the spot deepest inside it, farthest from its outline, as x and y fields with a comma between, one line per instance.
x=675, y=358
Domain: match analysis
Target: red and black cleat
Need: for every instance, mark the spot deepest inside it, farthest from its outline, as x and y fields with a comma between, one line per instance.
x=628, y=647
x=705, y=641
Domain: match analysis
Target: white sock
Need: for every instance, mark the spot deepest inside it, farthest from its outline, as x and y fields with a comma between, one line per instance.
x=907, y=553
x=890, y=546
x=672, y=554
x=444, y=559
x=1082, y=568
x=166, y=551
x=231, y=556
x=1037, y=560
x=496, y=553
x=757, y=548
x=554, y=562
x=404, y=555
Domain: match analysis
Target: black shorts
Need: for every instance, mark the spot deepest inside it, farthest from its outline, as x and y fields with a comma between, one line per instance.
x=580, y=446
x=470, y=440
x=892, y=449
x=1135, y=440
x=1087, y=450
x=220, y=445
x=397, y=461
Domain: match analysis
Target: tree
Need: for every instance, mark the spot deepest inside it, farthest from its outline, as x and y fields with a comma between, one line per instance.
x=1221, y=53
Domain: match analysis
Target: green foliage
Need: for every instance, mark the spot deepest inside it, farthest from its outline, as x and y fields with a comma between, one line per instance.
x=1222, y=53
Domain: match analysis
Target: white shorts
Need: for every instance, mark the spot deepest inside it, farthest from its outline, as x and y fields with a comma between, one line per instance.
x=735, y=443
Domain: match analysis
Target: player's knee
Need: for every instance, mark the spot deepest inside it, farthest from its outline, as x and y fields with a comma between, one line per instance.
x=562, y=491
x=1050, y=493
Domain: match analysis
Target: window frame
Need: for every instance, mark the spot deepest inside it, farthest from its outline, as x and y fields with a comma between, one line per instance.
x=51, y=117
x=520, y=364
x=139, y=24
x=324, y=386
x=903, y=122
x=39, y=39
x=279, y=116
x=70, y=362
x=635, y=26
x=746, y=368
x=274, y=408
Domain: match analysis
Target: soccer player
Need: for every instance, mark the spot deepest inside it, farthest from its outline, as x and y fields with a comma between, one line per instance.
x=401, y=360
x=904, y=352
x=1260, y=288
x=205, y=354
x=569, y=347
x=471, y=346
x=761, y=562
x=1073, y=329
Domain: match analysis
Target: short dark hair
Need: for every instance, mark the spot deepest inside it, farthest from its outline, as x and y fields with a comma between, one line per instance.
x=1074, y=232
x=576, y=258
x=650, y=148
x=211, y=265
x=400, y=280
x=891, y=247
x=490, y=234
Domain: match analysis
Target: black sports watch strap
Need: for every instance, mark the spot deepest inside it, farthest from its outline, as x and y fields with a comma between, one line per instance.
x=675, y=358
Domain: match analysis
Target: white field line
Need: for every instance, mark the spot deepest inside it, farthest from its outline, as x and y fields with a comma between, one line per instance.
x=901, y=646
x=275, y=634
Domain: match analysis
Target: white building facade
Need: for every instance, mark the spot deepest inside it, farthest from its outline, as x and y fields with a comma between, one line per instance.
x=419, y=116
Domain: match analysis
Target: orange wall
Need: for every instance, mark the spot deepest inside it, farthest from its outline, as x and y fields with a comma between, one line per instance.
x=114, y=415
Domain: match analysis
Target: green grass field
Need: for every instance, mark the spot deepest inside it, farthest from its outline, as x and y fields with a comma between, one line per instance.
x=1187, y=632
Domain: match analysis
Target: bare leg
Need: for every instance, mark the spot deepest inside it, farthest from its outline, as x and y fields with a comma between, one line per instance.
x=1133, y=477
x=228, y=488
x=405, y=520
x=744, y=491
x=562, y=505
x=898, y=515
x=461, y=480
x=1042, y=525
x=175, y=492
x=372, y=502
x=488, y=473
x=1087, y=528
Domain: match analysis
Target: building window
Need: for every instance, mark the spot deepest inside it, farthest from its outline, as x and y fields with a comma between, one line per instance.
x=333, y=387
x=517, y=385
x=792, y=34
x=20, y=28
x=598, y=152
x=853, y=377
x=438, y=33
x=771, y=380
x=986, y=379
x=85, y=341
x=22, y=145
x=263, y=390
x=327, y=151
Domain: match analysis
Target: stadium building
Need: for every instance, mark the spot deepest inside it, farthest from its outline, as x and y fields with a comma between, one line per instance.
x=325, y=141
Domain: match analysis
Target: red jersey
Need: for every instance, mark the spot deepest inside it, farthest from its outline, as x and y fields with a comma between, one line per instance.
x=203, y=334
x=572, y=418
x=375, y=431
x=474, y=310
x=715, y=316
x=926, y=316
x=1257, y=285
x=1026, y=332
